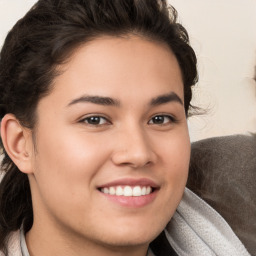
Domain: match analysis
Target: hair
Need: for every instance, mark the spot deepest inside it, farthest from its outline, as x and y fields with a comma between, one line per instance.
x=44, y=39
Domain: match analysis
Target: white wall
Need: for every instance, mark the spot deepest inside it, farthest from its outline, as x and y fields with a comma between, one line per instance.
x=223, y=35
x=10, y=12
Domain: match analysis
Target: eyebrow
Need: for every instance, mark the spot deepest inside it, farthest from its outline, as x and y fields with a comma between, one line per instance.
x=165, y=98
x=105, y=101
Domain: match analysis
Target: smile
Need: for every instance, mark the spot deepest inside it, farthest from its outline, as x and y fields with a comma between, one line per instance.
x=130, y=192
x=127, y=190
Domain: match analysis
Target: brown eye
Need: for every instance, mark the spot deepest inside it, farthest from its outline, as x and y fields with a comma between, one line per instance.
x=95, y=120
x=161, y=119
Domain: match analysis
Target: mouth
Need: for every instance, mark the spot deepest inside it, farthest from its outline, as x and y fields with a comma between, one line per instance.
x=134, y=191
x=130, y=192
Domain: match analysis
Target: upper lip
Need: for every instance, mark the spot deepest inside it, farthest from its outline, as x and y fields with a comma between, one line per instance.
x=131, y=182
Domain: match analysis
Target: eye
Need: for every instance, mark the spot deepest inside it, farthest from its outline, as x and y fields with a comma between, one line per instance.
x=161, y=119
x=95, y=120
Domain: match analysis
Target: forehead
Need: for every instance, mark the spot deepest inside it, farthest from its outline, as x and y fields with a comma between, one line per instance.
x=120, y=66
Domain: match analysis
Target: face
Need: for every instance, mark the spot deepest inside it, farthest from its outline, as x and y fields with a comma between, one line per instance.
x=112, y=144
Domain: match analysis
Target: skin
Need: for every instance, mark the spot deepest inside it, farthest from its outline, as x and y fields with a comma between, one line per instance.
x=74, y=157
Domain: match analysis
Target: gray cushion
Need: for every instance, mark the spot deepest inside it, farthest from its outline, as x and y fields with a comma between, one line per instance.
x=223, y=173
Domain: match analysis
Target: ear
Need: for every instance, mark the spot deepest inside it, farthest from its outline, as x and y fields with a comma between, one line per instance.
x=18, y=143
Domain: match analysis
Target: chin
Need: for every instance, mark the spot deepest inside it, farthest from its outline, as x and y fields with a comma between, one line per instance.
x=134, y=230
x=136, y=236
x=129, y=241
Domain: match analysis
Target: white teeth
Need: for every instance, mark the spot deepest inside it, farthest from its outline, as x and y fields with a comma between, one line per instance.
x=144, y=191
x=136, y=191
x=149, y=190
x=127, y=190
x=112, y=191
x=119, y=191
x=105, y=190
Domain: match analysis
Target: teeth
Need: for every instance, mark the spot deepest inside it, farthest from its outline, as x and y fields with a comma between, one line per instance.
x=137, y=191
x=148, y=191
x=119, y=191
x=105, y=190
x=112, y=191
x=127, y=190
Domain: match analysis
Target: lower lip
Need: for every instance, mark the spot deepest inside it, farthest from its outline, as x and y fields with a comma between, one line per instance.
x=132, y=201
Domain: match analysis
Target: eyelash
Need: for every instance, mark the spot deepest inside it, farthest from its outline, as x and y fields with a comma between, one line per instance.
x=162, y=117
x=100, y=120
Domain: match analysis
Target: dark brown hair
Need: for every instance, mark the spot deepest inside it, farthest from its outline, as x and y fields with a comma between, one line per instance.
x=44, y=38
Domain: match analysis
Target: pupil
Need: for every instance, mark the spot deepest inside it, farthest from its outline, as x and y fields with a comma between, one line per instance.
x=94, y=120
x=158, y=119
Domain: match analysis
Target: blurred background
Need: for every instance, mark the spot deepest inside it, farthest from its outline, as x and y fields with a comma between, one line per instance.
x=223, y=35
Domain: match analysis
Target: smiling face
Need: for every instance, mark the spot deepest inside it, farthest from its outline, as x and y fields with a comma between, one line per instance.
x=112, y=148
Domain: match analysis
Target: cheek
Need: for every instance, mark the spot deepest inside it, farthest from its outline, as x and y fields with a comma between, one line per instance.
x=175, y=151
x=175, y=158
x=67, y=162
x=179, y=159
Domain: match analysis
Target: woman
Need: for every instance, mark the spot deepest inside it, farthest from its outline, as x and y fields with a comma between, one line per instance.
x=94, y=97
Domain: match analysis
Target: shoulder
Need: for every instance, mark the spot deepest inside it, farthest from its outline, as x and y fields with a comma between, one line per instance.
x=13, y=244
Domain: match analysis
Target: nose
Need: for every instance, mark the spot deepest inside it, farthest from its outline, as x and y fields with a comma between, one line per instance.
x=133, y=148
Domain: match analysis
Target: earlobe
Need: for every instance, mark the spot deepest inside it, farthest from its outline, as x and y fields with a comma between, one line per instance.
x=17, y=141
